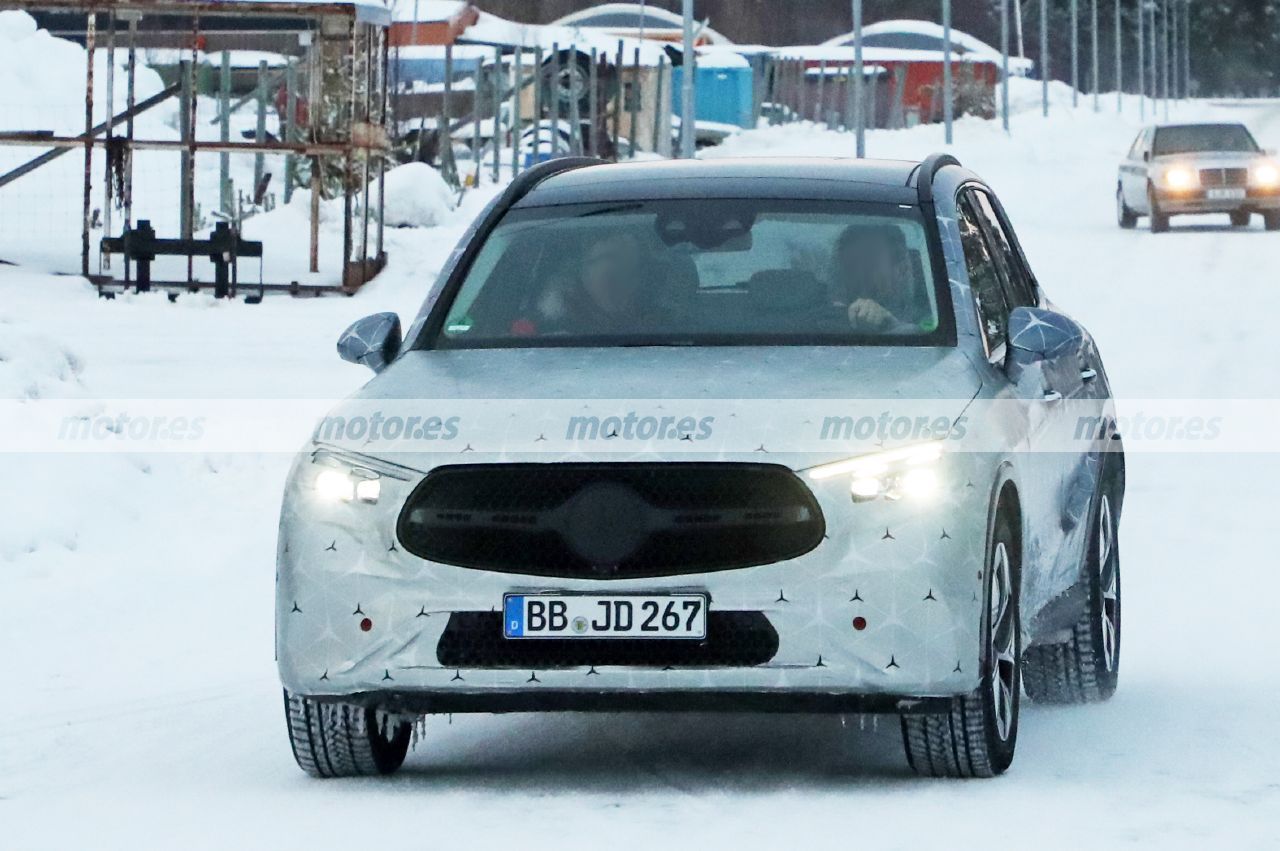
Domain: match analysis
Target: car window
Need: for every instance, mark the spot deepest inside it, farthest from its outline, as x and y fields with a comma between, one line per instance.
x=1203, y=137
x=1139, y=144
x=984, y=276
x=701, y=272
x=1021, y=291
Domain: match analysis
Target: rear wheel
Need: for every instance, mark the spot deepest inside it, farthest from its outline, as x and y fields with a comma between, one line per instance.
x=976, y=738
x=1086, y=666
x=1159, y=221
x=344, y=740
x=1240, y=218
x=1271, y=219
x=1125, y=217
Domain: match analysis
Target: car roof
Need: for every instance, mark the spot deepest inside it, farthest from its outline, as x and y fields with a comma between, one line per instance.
x=831, y=178
x=1173, y=124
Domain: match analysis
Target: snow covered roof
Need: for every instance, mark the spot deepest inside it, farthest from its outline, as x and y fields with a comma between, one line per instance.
x=844, y=53
x=925, y=36
x=628, y=17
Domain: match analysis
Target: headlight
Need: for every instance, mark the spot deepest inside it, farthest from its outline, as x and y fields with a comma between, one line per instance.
x=908, y=471
x=1180, y=177
x=334, y=484
x=1266, y=175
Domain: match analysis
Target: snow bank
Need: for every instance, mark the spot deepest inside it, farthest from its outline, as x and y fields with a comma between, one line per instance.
x=42, y=81
x=34, y=365
x=416, y=197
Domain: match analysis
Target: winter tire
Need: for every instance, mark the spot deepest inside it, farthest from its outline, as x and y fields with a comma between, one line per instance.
x=1086, y=666
x=976, y=738
x=344, y=740
x=1240, y=219
x=1125, y=217
x=1271, y=219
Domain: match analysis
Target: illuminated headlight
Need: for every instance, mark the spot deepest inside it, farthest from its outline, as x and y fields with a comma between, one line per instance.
x=906, y=471
x=1266, y=175
x=1180, y=177
x=338, y=485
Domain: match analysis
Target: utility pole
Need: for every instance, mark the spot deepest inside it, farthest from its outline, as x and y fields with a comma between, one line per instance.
x=1044, y=57
x=688, y=118
x=946, y=69
x=1093, y=42
x=1004, y=59
x=1075, y=52
x=1119, y=60
x=1017, y=25
x=1186, y=43
x=859, y=104
x=1142, y=59
x=1164, y=54
x=1175, y=79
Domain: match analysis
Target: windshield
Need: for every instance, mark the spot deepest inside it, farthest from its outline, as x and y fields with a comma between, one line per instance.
x=700, y=272
x=1203, y=137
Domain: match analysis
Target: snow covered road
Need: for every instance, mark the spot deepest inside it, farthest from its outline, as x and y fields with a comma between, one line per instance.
x=140, y=703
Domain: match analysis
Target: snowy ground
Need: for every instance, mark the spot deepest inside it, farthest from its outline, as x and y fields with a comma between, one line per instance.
x=141, y=707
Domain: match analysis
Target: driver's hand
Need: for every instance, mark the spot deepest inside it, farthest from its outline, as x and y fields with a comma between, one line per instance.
x=868, y=314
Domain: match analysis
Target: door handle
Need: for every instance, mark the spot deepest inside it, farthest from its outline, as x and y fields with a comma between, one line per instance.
x=1052, y=396
x=1088, y=374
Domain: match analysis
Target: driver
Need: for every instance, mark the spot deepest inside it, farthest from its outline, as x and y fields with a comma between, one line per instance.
x=872, y=279
x=605, y=295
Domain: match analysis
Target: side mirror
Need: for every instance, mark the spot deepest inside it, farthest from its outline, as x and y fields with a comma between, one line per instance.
x=373, y=341
x=1146, y=156
x=1038, y=335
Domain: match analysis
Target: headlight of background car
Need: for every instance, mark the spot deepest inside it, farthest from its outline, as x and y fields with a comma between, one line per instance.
x=347, y=484
x=906, y=471
x=1266, y=175
x=1179, y=177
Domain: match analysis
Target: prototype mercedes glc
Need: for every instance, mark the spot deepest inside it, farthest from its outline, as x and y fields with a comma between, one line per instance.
x=759, y=435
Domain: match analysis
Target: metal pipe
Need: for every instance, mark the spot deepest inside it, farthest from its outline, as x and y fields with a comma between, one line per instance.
x=104, y=260
x=131, y=93
x=90, y=37
x=634, y=104
x=657, y=104
x=260, y=128
x=947, y=88
x=517, y=120
x=593, y=106
x=227, y=201
x=537, y=105
x=617, y=102
x=688, y=115
x=499, y=71
x=313, y=103
x=575, y=111
x=383, y=88
x=819, y=102
x=1004, y=64
x=859, y=114
x=553, y=93
x=290, y=131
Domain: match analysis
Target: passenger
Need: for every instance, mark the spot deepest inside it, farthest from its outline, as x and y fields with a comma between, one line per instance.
x=873, y=281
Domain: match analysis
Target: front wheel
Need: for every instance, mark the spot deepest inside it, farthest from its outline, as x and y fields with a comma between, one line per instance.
x=1086, y=666
x=976, y=738
x=1271, y=219
x=1240, y=218
x=344, y=740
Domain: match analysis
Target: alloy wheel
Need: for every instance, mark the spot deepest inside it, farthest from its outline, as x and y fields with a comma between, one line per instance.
x=1004, y=663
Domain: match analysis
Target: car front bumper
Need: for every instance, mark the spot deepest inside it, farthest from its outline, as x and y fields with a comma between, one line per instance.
x=360, y=618
x=1198, y=201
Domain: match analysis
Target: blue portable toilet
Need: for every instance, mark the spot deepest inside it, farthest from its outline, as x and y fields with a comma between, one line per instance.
x=724, y=91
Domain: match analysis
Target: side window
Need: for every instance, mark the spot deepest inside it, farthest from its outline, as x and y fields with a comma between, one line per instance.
x=984, y=277
x=1021, y=291
x=1135, y=150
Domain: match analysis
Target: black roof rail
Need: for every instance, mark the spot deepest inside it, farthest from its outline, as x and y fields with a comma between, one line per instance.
x=924, y=174
x=534, y=175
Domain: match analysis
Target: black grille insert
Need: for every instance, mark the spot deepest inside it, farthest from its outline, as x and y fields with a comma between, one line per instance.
x=734, y=639
x=610, y=521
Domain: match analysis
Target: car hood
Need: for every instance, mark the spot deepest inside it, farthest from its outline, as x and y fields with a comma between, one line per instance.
x=498, y=394
x=1210, y=159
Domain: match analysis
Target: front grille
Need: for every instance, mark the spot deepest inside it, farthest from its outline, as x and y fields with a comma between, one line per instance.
x=1212, y=178
x=734, y=639
x=610, y=521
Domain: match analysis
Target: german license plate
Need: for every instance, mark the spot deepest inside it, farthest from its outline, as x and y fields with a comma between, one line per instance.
x=1225, y=194
x=612, y=616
